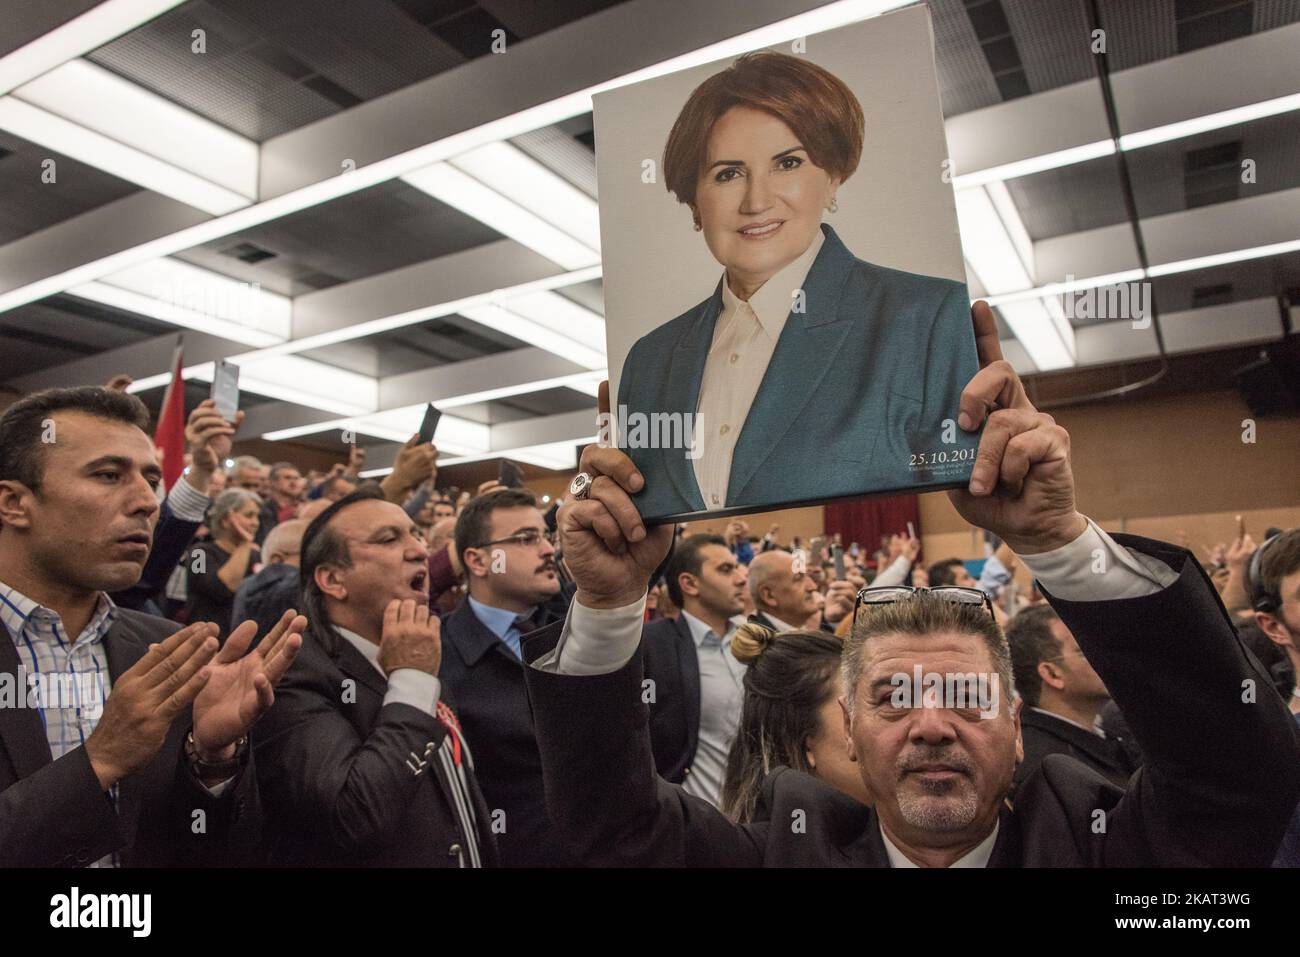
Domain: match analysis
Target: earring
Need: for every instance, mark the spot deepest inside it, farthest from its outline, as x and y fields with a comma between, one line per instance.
x=834, y=204
x=698, y=227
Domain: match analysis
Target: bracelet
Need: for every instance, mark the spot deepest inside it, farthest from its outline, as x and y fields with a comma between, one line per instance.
x=219, y=770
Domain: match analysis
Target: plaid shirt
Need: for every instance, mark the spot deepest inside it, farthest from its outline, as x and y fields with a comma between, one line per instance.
x=81, y=667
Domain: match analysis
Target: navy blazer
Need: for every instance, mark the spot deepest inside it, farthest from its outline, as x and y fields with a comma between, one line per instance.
x=483, y=682
x=861, y=381
x=673, y=664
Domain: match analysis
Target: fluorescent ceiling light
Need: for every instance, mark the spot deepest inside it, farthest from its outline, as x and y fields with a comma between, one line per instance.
x=1209, y=122
x=1035, y=164
x=197, y=298
x=521, y=179
x=125, y=162
x=105, y=103
x=1054, y=289
x=463, y=192
x=424, y=314
x=584, y=382
x=560, y=456
x=994, y=255
x=97, y=26
x=175, y=313
x=1060, y=288
x=512, y=324
x=319, y=385
x=455, y=435
x=1222, y=259
x=823, y=18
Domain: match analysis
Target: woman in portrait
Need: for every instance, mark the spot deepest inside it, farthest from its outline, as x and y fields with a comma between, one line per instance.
x=808, y=373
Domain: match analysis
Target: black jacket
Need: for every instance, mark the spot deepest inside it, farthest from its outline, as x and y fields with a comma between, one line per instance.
x=53, y=813
x=265, y=597
x=336, y=783
x=1045, y=734
x=673, y=664
x=1220, y=781
x=484, y=682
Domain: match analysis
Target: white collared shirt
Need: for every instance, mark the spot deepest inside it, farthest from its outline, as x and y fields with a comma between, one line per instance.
x=977, y=856
x=744, y=338
x=721, y=697
x=405, y=685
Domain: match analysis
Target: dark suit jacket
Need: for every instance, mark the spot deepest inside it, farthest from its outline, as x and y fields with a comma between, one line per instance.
x=484, y=682
x=54, y=813
x=673, y=664
x=860, y=380
x=332, y=765
x=1045, y=734
x=1219, y=785
x=171, y=537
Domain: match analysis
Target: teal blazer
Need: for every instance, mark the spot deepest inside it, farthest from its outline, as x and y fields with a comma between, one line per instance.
x=861, y=395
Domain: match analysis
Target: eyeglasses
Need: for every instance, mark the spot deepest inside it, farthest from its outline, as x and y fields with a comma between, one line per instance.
x=890, y=594
x=529, y=538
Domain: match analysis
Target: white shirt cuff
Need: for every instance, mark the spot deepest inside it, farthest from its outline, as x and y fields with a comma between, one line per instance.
x=1094, y=567
x=417, y=688
x=595, y=641
x=188, y=503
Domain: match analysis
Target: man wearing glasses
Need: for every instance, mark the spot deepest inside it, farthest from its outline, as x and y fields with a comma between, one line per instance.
x=513, y=587
x=1221, y=775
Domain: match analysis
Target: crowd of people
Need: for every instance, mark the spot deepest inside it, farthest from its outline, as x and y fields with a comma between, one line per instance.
x=343, y=671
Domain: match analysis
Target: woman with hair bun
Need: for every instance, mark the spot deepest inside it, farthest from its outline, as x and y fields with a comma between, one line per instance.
x=791, y=715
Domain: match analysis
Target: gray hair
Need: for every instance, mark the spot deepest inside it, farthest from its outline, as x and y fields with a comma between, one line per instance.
x=246, y=462
x=284, y=538
x=761, y=570
x=920, y=615
x=231, y=500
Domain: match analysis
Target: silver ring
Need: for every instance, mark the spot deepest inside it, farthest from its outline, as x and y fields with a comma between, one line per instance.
x=580, y=487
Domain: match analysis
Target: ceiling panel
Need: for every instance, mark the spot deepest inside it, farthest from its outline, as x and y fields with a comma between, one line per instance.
x=362, y=234
x=28, y=204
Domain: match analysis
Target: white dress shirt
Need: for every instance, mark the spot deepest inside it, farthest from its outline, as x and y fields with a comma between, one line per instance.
x=721, y=695
x=977, y=856
x=410, y=686
x=744, y=338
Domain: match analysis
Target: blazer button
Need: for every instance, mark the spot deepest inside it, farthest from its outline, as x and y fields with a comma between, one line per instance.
x=686, y=772
x=453, y=851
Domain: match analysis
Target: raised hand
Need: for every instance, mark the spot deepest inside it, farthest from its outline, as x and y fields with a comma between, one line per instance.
x=241, y=685
x=1022, y=487
x=146, y=698
x=411, y=638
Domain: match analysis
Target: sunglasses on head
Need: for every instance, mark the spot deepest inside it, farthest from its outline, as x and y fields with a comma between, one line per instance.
x=890, y=594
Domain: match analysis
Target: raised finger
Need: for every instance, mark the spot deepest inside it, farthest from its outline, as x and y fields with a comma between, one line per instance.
x=987, y=344
x=183, y=695
x=286, y=651
x=187, y=669
x=237, y=642
x=266, y=647
x=613, y=462
x=169, y=655
x=1002, y=426
x=391, y=611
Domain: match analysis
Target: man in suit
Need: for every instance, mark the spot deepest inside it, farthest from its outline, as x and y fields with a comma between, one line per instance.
x=264, y=597
x=124, y=740
x=510, y=568
x=693, y=680
x=785, y=595
x=859, y=327
x=360, y=762
x=209, y=437
x=1063, y=698
x=1221, y=777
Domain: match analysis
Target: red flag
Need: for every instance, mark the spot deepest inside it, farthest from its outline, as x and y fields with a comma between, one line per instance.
x=169, y=437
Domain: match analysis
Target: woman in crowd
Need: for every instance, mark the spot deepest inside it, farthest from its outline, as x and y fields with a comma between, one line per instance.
x=791, y=715
x=216, y=568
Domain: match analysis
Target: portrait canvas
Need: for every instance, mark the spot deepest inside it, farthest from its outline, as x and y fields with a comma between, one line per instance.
x=786, y=310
